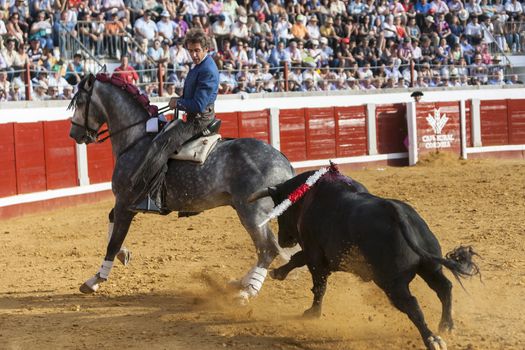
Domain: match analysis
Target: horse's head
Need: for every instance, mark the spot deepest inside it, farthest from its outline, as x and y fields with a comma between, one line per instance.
x=87, y=117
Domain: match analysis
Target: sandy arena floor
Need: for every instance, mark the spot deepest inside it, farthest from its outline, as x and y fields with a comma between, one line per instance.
x=174, y=293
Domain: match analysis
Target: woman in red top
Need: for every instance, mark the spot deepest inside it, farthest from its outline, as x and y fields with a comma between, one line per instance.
x=126, y=72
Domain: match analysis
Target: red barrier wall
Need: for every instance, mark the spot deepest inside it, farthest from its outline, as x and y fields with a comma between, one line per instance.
x=292, y=126
x=320, y=133
x=391, y=128
x=30, y=157
x=516, y=119
x=494, y=123
x=230, y=124
x=100, y=162
x=438, y=127
x=7, y=160
x=60, y=155
x=255, y=124
x=351, y=131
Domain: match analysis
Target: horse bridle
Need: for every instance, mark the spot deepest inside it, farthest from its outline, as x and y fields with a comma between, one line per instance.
x=92, y=133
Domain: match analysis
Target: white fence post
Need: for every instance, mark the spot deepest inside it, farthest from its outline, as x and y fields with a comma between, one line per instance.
x=413, y=155
x=475, y=114
x=275, y=136
x=82, y=164
x=371, y=128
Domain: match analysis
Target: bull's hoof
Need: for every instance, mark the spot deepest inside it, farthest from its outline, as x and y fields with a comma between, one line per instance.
x=277, y=275
x=124, y=256
x=446, y=326
x=436, y=343
x=313, y=312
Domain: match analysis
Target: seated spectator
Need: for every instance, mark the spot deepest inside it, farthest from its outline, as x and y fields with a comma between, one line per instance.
x=239, y=30
x=279, y=56
x=298, y=30
x=39, y=92
x=52, y=92
x=221, y=31
x=13, y=28
x=35, y=54
x=170, y=90
x=474, y=31
x=75, y=70
x=146, y=28
x=41, y=30
x=67, y=93
x=57, y=80
x=314, y=32
x=95, y=33
x=114, y=31
x=126, y=72
x=227, y=82
x=17, y=91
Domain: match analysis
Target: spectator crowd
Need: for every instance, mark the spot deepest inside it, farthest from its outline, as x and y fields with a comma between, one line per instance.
x=262, y=46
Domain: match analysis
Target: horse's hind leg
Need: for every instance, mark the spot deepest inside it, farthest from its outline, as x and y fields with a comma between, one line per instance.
x=124, y=255
x=122, y=220
x=265, y=244
x=443, y=288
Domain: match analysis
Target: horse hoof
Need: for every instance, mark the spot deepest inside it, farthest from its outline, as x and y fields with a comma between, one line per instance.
x=436, y=343
x=242, y=298
x=312, y=313
x=124, y=256
x=274, y=274
x=86, y=289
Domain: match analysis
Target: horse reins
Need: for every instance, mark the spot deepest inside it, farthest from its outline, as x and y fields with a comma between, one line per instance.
x=95, y=134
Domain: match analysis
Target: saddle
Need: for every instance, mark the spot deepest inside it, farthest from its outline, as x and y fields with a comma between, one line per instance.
x=199, y=146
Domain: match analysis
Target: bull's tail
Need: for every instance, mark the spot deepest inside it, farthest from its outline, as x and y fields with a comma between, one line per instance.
x=459, y=261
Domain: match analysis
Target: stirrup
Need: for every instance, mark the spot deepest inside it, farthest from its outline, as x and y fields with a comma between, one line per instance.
x=148, y=205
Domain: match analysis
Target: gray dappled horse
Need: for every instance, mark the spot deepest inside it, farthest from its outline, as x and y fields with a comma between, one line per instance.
x=234, y=170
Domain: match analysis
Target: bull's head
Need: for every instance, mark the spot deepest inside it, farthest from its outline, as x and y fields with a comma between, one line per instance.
x=288, y=222
x=86, y=120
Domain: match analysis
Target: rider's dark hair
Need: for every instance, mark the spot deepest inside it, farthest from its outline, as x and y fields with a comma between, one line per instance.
x=196, y=36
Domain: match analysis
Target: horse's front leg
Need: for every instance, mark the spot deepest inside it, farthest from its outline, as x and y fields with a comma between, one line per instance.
x=267, y=249
x=122, y=221
x=124, y=255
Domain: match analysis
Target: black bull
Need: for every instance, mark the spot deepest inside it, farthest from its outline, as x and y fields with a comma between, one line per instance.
x=341, y=227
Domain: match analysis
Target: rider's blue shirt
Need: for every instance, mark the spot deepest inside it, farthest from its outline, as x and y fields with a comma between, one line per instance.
x=201, y=87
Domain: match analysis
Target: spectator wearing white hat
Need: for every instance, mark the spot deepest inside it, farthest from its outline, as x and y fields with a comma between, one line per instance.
x=239, y=29
x=313, y=29
x=40, y=90
x=146, y=28
x=67, y=93
x=167, y=28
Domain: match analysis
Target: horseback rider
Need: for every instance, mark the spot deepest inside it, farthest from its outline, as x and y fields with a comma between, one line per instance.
x=198, y=101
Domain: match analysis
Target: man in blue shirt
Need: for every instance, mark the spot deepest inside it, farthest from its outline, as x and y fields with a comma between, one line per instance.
x=198, y=101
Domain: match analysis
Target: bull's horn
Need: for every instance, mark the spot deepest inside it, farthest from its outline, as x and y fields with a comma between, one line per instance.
x=258, y=195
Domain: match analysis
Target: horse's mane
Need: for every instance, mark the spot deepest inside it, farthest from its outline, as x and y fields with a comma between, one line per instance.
x=118, y=82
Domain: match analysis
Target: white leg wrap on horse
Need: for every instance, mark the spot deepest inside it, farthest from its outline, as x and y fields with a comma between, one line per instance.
x=92, y=283
x=105, y=269
x=254, y=279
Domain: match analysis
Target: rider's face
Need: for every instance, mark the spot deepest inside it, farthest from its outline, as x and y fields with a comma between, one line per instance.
x=197, y=52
